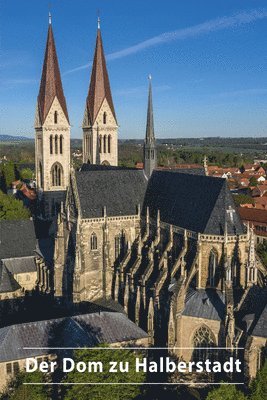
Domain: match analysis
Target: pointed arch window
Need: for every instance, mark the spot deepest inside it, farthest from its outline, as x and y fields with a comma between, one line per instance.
x=61, y=144
x=100, y=144
x=51, y=144
x=104, y=118
x=213, y=263
x=120, y=245
x=117, y=246
x=55, y=117
x=109, y=143
x=57, y=175
x=56, y=144
x=93, y=241
x=105, y=143
x=203, y=340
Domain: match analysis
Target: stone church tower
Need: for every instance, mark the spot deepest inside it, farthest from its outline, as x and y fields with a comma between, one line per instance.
x=52, y=127
x=150, y=154
x=100, y=128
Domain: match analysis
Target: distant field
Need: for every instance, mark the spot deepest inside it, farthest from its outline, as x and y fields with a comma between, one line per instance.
x=170, y=151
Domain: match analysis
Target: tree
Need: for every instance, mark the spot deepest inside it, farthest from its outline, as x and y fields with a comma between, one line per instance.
x=226, y=392
x=253, y=181
x=243, y=199
x=262, y=251
x=104, y=392
x=12, y=209
x=16, y=390
x=26, y=173
x=7, y=175
x=259, y=385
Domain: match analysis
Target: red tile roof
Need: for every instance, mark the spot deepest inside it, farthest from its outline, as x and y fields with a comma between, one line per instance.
x=253, y=215
x=99, y=84
x=51, y=85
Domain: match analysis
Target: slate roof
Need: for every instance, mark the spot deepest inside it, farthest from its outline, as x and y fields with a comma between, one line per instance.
x=194, y=202
x=252, y=315
x=85, y=330
x=150, y=136
x=7, y=282
x=51, y=85
x=17, y=239
x=119, y=189
x=20, y=265
x=208, y=304
x=260, y=328
x=99, y=88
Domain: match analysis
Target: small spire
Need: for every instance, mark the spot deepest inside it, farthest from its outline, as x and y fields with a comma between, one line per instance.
x=49, y=18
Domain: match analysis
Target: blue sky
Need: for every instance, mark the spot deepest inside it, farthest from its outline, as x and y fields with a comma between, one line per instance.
x=208, y=60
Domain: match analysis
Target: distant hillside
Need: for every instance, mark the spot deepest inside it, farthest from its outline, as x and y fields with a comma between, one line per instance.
x=9, y=138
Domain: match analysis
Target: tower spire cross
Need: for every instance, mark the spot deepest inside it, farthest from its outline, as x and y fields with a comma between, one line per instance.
x=231, y=212
x=98, y=19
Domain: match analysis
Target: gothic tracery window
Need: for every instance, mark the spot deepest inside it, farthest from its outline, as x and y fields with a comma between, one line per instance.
x=93, y=241
x=120, y=245
x=203, y=340
x=57, y=175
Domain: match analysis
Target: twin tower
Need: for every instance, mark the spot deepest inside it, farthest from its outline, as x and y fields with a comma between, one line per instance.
x=100, y=127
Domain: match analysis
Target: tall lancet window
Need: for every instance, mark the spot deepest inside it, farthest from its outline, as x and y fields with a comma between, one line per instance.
x=213, y=263
x=104, y=118
x=55, y=117
x=93, y=241
x=61, y=144
x=109, y=143
x=100, y=144
x=51, y=144
x=56, y=144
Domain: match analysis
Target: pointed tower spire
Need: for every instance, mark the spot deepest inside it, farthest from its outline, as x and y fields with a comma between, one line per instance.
x=99, y=88
x=52, y=130
x=100, y=112
x=150, y=156
x=150, y=137
x=51, y=85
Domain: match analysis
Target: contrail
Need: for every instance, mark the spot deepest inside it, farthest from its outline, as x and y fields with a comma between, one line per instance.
x=213, y=25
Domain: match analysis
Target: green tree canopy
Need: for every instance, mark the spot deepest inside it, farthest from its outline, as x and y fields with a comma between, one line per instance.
x=26, y=173
x=104, y=392
x=16, y=390
x=262, y=251
x=8, y=174
x=11, y=208
x=253, y=181
x=226, y=392
x=259, y=385
x=243, y=199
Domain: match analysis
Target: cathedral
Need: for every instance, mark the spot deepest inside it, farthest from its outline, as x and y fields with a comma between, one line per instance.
x=168, y=246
